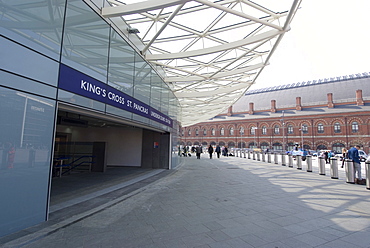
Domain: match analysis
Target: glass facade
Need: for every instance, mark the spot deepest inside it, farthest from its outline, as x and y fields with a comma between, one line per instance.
x=36, y=37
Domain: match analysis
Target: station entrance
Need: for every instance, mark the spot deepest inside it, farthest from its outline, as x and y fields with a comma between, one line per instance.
x=92, y=153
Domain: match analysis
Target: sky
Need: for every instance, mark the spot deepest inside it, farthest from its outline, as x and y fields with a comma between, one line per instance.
x=328, y=38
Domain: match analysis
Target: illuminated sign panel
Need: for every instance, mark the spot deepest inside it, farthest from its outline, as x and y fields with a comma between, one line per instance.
x=84, y=85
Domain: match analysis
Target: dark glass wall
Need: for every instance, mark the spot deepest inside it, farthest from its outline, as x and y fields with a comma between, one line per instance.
x=35, y=37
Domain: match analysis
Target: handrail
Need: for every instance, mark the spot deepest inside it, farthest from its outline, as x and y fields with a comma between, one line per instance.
x=73, y=165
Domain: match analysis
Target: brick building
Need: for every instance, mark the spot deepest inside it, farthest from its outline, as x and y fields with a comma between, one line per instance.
x=324, y=114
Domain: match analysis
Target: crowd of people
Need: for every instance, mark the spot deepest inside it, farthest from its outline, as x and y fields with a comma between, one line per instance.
x=187, y=151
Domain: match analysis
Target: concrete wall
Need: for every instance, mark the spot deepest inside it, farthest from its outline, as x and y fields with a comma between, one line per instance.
x=123, y=145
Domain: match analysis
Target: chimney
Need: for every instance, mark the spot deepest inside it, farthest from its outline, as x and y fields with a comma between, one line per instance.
x=359, y=99
x=230, y=111
x=298, y=103
x=251, y=108
x=273, y=106
x=330, y=100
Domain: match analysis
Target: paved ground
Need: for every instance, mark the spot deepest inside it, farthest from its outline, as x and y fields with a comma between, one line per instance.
x=227, y=202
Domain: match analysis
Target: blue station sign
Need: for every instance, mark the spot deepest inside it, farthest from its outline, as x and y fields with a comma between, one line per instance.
x=79, y=83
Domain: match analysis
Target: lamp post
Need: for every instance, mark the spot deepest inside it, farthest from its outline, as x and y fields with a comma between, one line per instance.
x=255, y=140
x=283, y=126
x=301, y=136
x=241, y=136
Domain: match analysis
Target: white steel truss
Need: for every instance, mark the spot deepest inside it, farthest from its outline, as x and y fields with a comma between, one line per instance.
x=211, y=51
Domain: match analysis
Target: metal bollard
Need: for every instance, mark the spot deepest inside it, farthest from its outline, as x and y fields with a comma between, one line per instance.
x=268, y=157
x=350, y=171
x=276, y=159
x=263, y=157
x=321, y=166
x=254, y=155
x=244, y=153
x=236, y=152
x=299, y=162
x=283, y=159
x=334, y=168
x=249, y=154
x=309, y=163
x=258, y=156
x=290, y=158
x=367, y=169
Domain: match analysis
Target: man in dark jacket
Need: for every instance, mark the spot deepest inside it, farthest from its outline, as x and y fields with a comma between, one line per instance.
x=210, y=151
x=218, y=151
x=353, y=154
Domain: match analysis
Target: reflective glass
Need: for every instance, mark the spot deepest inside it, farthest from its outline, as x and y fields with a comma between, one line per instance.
x=26, y=134
x=23, y=61
x=118, y=112
x=121, y=64
x=66, y=96
x=142, y=83
x=34, y=23
x=85, y=41
x=156, y=92
x=21, y=83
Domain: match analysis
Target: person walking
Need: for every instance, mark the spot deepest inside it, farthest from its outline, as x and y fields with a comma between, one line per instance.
x=353, y=154
x=198, y=151
x=210, y=151
x=218, y=151
x=226, y=151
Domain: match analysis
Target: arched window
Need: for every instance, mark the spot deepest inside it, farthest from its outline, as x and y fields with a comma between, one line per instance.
x=264, y=130
x=189, y=132
x=231, y=131
x=204, y=132
x=277, y=146
x=290, y=146
x=264, y=145
x=222, y=131
x=253, y=130
x=304, y=128
x=182, y=132
x=321, y=147
x=231, y=144
x=241, y=131
x=354, y=127
x=337, y=147
x=320, y=128
x=337, y=127
x=213, y=132
x=276, y=129
x=196, y=132
x=290, y=129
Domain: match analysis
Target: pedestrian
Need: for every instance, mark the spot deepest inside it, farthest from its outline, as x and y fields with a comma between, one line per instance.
x=326, y=157
x=218, y=151
x=344, y=155
x=198, y=151
x=353, y=154
x=210, y=151
x=226, y=151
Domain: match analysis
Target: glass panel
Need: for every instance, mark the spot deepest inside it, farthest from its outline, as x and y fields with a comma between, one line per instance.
x=80, y=100
x=156, y=92
x=25, y=141
x=142, y=82
x=23, y=61
x=12, y=81
x=34, y=23
x=119, y=112
x=86, y=41
x=121, y=65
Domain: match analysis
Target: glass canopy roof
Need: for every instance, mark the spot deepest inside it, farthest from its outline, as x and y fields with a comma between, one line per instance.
x=211, y=51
